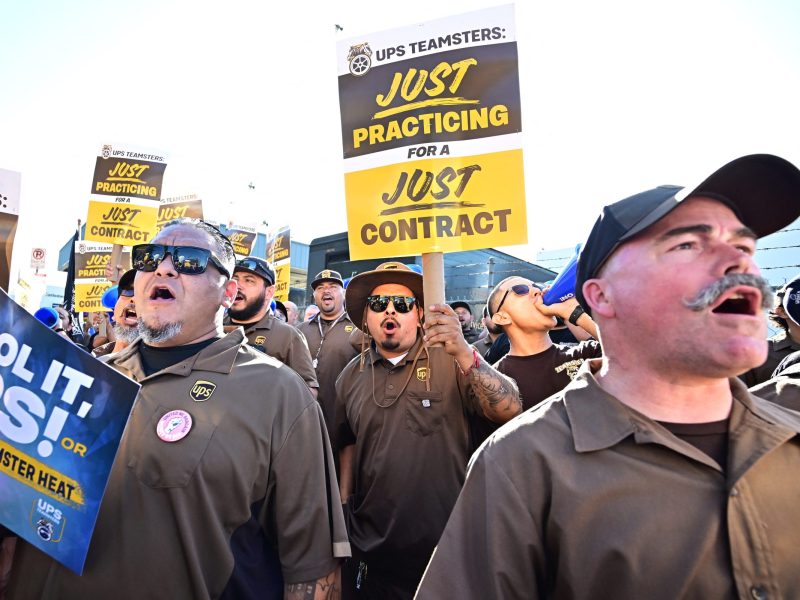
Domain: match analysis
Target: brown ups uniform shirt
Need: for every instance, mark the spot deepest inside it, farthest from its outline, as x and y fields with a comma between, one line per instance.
x=283, y=342
x=247, y=496
x=783, y=390
x=332, y=350
x=410, y=457
x=583, y=497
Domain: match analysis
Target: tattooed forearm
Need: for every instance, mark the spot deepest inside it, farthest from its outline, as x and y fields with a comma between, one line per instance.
x=498, y=394
x=324, y=588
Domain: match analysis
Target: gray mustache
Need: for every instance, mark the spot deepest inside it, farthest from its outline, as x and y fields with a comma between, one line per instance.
x=711, y=293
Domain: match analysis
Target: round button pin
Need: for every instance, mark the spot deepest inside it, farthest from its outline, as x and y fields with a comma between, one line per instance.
x=174, y=426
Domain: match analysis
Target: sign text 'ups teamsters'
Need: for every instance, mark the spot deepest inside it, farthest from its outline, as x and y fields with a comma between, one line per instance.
x=431, y=131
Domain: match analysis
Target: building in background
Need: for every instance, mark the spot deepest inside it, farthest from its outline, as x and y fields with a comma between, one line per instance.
x=469, y=275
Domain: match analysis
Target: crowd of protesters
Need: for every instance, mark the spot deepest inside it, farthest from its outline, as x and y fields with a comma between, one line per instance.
x=636, y=440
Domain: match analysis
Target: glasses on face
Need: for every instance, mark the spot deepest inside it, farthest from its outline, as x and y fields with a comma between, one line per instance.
x=126, y=293
x=402, y=304
x=519, y=289
x=188, y=260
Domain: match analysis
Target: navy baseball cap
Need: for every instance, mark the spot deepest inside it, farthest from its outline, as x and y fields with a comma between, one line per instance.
x=761, y=189
x=257, y=266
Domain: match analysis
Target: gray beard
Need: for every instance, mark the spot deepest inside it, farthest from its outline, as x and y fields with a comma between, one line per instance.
x=125, y=333
x=157, y=335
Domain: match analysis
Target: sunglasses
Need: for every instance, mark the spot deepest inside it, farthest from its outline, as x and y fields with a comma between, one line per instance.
x=402, y=304
x=188, y=260
x=126, y=293
x=520, y=289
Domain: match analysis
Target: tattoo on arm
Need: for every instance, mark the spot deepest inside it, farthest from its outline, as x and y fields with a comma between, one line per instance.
x=324, y=588
x=497, y=394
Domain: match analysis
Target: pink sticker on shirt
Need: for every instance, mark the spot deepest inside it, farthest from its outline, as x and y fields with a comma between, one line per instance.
x=174, y=425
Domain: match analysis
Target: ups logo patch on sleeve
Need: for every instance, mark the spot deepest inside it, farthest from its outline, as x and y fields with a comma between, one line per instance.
x=202, y=390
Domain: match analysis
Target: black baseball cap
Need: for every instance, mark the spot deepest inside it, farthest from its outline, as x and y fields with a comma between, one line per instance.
x=257, y=266
x=125, y=283
x=327, y=275
x=761, y=189
x=462, y=304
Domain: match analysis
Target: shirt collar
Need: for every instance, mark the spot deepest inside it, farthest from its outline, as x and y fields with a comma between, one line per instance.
x=375, y=357
x=598, y=420
x=218, y=357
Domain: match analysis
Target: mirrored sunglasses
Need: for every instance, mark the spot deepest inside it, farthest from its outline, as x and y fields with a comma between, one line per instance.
x=402, y=304
x=188, y=260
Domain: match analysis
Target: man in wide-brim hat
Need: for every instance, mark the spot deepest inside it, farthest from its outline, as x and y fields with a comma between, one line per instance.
x=402, y=424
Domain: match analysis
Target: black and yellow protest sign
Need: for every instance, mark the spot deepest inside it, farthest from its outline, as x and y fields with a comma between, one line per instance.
x=279, y=255
x=9, y=215
x=431, y=131
x=126, y=189
x=176, y=208
x=243, y=237
x=91, y=259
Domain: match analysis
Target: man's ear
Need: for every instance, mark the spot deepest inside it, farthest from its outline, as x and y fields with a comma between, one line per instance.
x=270, y=292
x=229, y=292
x=599, y=297
x=501, y=318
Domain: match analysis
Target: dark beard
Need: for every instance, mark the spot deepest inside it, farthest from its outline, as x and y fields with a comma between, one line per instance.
x=250, y=310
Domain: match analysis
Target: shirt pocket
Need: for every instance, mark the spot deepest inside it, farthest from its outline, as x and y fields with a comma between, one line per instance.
x=424, y=412
x=160, y=464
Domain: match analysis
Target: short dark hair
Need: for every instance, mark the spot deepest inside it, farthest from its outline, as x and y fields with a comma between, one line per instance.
x=223, y=248
x=773, y=317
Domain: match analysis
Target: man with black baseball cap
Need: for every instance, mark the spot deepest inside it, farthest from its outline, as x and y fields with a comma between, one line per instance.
x=654, y=474
x=329, y=336
x=464, y=313
x=250, y=310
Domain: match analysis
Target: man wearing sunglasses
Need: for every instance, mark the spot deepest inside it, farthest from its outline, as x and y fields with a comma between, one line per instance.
x=402, y=426
x=654, y=474
x=265, y=332
x=540, y=367
x=223, y=484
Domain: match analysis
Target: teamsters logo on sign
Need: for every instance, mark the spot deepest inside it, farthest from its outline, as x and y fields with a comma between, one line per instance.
x=431, y=130
x=126, y=189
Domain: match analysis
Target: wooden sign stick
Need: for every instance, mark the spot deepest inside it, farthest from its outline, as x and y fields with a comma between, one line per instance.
x=433, y=280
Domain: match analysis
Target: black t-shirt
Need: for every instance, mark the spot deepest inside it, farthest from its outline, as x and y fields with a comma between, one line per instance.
x=155, y=359
x=710, y=438
x=541, y=375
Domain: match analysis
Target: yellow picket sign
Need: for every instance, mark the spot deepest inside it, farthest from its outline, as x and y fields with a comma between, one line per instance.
x=438, y=204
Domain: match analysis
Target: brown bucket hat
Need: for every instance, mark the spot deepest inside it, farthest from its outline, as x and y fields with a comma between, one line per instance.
x=362, y=285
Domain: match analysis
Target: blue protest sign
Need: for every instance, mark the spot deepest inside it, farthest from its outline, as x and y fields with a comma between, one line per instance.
x=62, y=415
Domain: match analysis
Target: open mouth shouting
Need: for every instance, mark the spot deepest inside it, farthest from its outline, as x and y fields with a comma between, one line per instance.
x=129, y=316
x=390, y=326
x=161, y=293
x=740, y=300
